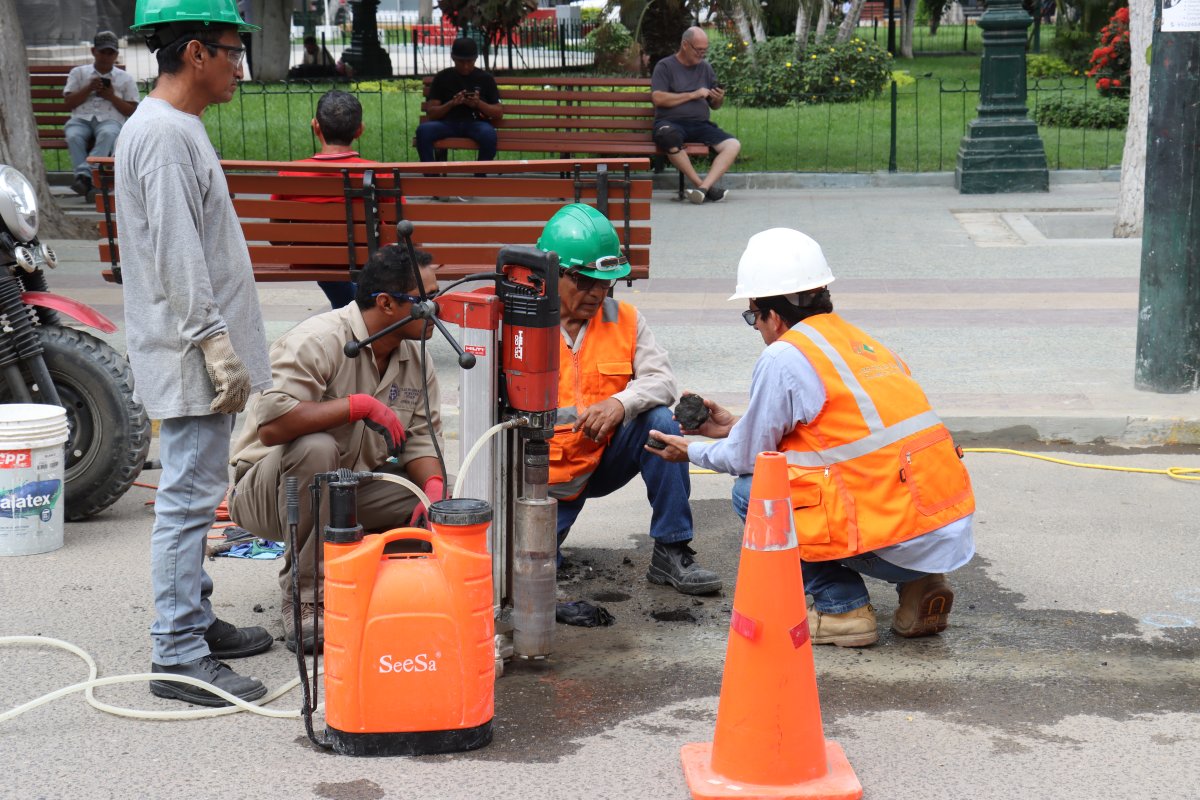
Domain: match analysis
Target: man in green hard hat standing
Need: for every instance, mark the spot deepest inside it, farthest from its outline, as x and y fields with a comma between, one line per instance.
x=614, y=385
x=193, y=326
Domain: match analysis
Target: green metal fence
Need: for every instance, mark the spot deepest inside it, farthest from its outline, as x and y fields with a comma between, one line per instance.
x=915, y=127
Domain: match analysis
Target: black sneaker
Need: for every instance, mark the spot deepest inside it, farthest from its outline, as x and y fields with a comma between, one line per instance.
x=226, y=640
x=82, y=185
x=715, y=195
x=674, y=564
x=209, y=670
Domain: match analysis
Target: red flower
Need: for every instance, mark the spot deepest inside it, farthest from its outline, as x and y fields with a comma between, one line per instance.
x=1122, y=15
x=1116, y=82
x=1103, y=83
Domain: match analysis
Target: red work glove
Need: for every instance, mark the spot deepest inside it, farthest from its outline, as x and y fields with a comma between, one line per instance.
x=435, y=489
x=380, y=419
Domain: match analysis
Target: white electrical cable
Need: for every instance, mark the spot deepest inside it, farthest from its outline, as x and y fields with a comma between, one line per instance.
x=92, y=682
x=406, y=483
x=475, y=448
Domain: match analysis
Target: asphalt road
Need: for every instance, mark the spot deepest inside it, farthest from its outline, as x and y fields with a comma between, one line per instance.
x=1069, y=671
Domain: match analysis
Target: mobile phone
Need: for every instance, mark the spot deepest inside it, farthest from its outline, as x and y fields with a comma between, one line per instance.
x=106, y=82
x=718, y=85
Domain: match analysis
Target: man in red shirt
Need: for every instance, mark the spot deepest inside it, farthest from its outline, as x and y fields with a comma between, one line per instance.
x=337, y=124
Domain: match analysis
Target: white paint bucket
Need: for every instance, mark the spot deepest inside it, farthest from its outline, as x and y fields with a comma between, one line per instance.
x=32, y=506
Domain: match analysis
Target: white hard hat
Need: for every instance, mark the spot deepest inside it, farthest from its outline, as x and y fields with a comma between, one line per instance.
x=780, y=261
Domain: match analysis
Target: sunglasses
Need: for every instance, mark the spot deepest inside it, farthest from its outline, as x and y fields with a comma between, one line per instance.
x=751, y=316
x=403, y=298
x=586, y=283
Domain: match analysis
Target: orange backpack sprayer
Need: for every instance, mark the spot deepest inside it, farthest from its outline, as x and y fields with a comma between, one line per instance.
x=409, y=632
x=409, y=621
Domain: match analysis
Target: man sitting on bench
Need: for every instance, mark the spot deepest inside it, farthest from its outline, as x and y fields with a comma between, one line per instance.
x=463, y=102
x=101, y=97
x=683, y=88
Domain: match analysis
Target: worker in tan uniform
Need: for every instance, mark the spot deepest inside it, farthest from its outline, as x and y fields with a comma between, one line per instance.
x=377, y=412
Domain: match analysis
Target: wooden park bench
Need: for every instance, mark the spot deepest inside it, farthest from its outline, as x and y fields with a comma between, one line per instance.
x=294, y=240
x=46, y=82
x=573, y=117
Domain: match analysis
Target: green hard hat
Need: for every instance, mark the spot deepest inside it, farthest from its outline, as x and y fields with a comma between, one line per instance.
x=150, y=14
x=585, y=241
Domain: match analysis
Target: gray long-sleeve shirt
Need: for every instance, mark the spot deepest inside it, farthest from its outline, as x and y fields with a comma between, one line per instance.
x=184, y=264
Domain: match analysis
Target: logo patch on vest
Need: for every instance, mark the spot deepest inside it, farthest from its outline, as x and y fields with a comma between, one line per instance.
x=864, y=350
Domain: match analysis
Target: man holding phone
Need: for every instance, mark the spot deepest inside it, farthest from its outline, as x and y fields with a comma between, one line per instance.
x=100, y=97
x=683, y=89
x=463, y=102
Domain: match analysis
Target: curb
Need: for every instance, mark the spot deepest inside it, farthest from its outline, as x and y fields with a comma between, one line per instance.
x=669, y=180
x=1126, y=432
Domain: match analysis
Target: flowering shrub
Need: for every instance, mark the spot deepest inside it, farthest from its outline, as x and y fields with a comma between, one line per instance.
x=844, y=73
x=773, y=73
x=1110, y=61
x=766, y=75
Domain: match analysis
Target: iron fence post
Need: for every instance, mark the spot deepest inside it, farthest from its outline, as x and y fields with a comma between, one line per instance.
x=892, y=145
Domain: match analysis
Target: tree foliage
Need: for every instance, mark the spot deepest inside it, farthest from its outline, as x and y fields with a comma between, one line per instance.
x=496, y=17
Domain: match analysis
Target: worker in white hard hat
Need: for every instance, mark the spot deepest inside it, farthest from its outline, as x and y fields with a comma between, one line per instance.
x=878, y=486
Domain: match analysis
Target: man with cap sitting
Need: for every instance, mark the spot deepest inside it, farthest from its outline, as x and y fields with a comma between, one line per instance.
x=878, y=487
x=100, y=97
x=615, y=384
x=463, y=102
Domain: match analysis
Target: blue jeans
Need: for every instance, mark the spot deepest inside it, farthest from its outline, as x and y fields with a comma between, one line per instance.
x=483, y=134
x=195, y=475
x=340, y=293
x=80, y=134
x=668, y=485
x=836, y=586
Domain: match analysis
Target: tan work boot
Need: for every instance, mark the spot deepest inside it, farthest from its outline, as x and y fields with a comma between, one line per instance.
x=849, y=629
x=924, y=606
x=308, y=612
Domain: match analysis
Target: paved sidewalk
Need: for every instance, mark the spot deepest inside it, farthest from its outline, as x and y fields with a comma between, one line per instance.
x=1017, y=313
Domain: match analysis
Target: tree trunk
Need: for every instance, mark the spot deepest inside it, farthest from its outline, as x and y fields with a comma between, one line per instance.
x=273, y=44
x=908, y=23
x=803, y=15
x=823, y=20
x=743, y=24
x=18, y=132
x=850, y=23
x=760, y=30
x=1131, y=203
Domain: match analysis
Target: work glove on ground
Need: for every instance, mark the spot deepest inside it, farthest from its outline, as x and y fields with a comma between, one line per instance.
x=380, y=419
x=435, y=489
x=228, y=374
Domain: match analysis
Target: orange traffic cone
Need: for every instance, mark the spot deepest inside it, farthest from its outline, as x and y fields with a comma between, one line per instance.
x=768, y=741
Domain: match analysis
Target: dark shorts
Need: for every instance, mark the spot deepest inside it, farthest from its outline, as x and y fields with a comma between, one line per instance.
x=671, y=135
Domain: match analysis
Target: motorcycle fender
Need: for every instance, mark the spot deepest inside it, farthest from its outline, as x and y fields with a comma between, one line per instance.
x=72, y=308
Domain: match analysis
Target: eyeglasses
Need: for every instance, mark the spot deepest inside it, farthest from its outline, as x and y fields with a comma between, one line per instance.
x=751, y=316
x=698, y=51
x=234, y=54
x=403, y=298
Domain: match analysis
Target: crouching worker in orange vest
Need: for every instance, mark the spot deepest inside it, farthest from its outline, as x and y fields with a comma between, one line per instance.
x=614, y=385
x=878, y=487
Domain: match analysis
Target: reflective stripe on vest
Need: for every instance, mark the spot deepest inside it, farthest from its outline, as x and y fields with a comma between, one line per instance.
x=873, y=468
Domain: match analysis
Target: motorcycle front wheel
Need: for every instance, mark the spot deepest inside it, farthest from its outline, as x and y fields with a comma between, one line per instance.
x=109, y=430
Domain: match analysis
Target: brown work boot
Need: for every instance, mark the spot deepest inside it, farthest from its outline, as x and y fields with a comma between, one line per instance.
x=924, y=606
x=854, y=628
x=308, y=612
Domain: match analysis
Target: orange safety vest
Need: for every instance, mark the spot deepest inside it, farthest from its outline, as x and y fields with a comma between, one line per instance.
x=876, y=466
x=602, y=367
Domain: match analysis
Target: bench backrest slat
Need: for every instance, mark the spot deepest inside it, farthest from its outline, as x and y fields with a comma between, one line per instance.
x=295, y=240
